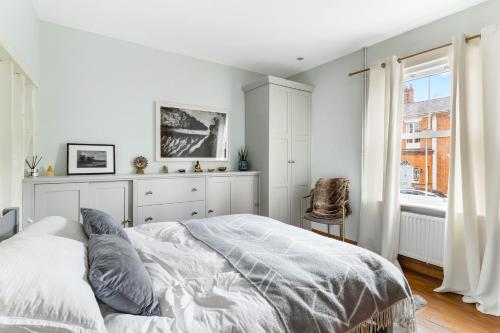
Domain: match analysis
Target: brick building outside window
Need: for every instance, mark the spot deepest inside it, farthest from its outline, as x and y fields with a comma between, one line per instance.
x=425, y=146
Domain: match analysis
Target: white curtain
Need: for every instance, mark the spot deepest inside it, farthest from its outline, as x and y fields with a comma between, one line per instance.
x=472, y=236
x=380, y=209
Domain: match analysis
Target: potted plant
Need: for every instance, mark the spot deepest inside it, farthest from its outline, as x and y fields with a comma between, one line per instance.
x=242, y=156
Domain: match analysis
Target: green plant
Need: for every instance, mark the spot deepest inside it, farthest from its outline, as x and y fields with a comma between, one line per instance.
x=243, y=154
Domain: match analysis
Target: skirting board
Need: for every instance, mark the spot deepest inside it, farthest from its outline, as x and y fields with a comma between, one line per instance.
x=406, y=263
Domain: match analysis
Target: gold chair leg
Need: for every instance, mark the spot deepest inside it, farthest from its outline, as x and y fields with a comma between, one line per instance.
x=328, y=228
x=342, y=231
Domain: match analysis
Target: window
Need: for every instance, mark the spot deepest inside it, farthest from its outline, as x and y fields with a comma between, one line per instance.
x=411, y=128
x=425, y=145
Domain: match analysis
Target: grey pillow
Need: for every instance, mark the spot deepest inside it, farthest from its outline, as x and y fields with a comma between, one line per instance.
x=98, y=222
x=119, y=278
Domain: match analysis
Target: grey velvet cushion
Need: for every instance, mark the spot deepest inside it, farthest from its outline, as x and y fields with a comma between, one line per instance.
x=98, y=222
x=119, y=278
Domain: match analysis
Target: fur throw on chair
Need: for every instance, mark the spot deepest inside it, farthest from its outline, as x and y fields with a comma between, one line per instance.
x=329, y=197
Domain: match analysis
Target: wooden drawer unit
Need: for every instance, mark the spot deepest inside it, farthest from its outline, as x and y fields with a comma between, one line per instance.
x=170, y=190
x=170, y=212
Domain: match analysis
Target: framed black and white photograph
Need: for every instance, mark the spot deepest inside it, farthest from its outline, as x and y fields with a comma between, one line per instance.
x=191, y=133
x=90, y=159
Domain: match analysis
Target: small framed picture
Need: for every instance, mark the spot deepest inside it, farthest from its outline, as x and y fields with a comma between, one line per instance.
x=90, y=159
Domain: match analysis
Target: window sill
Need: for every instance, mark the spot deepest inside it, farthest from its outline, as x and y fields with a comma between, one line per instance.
x=438, y=210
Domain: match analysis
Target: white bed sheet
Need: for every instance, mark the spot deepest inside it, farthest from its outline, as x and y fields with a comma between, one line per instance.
x=198, y=290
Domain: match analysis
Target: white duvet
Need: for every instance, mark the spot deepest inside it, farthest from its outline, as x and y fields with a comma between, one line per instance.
x=198, y=290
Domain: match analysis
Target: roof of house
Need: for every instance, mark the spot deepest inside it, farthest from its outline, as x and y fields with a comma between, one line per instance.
x=422, y=108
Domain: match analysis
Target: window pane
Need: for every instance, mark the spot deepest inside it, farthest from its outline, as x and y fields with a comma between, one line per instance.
x=425, y=142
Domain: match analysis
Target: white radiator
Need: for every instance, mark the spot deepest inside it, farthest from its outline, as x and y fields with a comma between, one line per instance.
x=422, y=237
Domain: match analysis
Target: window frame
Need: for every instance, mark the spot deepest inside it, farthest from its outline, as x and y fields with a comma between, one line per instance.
x=438, y=65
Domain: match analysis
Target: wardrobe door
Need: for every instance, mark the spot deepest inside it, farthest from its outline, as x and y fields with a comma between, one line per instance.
x=300, y=151
x=279, y=145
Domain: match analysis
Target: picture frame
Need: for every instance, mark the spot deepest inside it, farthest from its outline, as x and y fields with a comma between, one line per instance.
x=90, y=159
x=186, y=132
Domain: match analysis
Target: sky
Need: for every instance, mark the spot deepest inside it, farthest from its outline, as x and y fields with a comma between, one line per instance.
x=440, y=86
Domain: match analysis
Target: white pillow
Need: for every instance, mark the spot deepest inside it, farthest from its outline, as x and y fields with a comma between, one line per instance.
x=57, y=226
x=44, y=286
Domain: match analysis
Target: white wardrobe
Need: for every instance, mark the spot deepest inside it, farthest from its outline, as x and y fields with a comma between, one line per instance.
x=278, y=138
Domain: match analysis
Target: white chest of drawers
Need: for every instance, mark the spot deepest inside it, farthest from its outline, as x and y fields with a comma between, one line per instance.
x=138, y=199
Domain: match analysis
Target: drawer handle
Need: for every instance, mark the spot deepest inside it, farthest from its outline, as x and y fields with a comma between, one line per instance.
x=149, y=218
x=194, y=213
x=210, y=211
x=194, y=189
x=149, y=192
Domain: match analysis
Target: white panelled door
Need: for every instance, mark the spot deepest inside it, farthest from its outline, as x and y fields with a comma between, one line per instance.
x=245, y=195
x=111, y=198
x=61, y=200
x=300, y=151
x=279, y=147
x=218, y=196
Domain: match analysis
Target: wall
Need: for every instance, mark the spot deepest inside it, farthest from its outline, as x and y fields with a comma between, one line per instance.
x=96, y=89
x=337, y=99
x=19, y=35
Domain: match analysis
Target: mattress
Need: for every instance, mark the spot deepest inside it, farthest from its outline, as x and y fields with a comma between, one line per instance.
x=198, y=290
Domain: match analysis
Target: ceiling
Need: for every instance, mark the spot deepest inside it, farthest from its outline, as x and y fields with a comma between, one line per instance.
x=265, y=36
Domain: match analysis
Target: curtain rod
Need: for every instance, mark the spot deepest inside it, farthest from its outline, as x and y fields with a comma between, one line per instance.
x=417, y=54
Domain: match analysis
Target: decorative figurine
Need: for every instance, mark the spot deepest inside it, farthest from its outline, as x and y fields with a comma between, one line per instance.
x=140, y=163
x=50, y=171
x=182, y=170
x=210, y=169
x=35, y=160
x=197, y=167
x=164, y=169
x=222, y=168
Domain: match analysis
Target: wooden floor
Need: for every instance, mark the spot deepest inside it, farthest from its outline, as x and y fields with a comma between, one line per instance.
x=447, y=312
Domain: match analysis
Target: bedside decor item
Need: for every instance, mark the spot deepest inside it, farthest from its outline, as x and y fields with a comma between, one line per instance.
x=32, y=164
x=50, y=171
x=164, y=169
x=210, y=169
x=90, y=159
x=182, y=170
x=222, y=168
x=242, y=157
x=197, y=167
x=187, y=133
x=140, y=163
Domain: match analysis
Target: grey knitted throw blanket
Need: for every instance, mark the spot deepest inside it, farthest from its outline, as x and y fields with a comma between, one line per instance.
x=316, y=284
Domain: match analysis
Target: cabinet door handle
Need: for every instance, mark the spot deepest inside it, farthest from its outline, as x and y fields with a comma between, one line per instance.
x=149, y=192
x=194, y=213
x=291, y=161
x=194, y=189
x=149, y=218
x=210, y=211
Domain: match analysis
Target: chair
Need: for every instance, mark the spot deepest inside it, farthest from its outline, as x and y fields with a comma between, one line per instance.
x=337, y=192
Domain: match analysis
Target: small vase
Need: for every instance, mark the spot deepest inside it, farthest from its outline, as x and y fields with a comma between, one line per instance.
x=34, y=173
x=243, y=165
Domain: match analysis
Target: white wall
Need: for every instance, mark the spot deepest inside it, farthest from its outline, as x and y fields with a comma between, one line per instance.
x=96, y=89
x=19, y=34
x=337, y=99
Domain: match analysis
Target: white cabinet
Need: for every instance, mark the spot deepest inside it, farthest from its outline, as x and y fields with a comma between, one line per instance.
x=137, y=199
x=218, y=196
x=278, y=136
x=60, y=200
x=66, y=199
x=112, y=198
x=232, y=195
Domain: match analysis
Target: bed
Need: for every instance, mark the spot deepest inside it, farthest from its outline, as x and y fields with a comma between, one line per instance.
x=244, y=273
